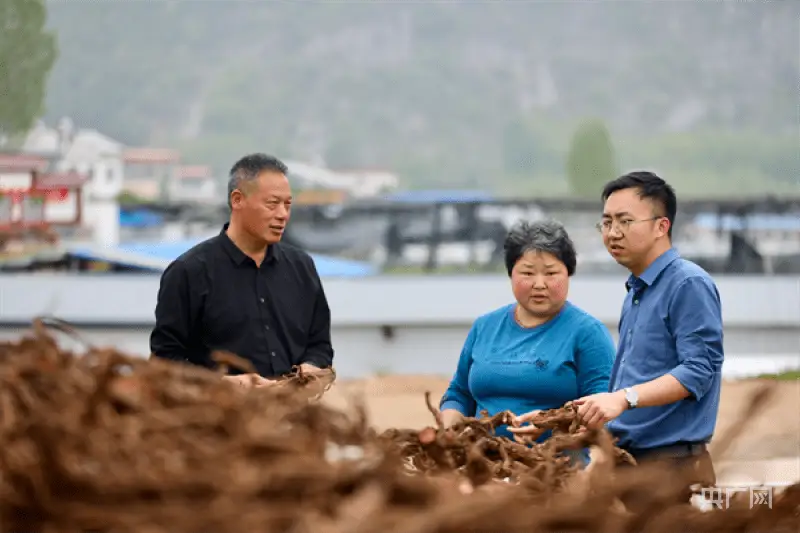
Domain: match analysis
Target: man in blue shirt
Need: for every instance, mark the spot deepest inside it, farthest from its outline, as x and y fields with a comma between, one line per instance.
x=666, y=380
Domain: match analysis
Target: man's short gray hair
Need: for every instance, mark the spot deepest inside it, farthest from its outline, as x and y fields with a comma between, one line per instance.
x=543, y=236
x=250, y=167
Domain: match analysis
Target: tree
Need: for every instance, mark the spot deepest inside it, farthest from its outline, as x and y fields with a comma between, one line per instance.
x=27, y=53
x=590, y=161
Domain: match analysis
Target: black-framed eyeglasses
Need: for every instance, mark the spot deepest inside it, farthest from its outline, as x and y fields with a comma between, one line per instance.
x=605, y=226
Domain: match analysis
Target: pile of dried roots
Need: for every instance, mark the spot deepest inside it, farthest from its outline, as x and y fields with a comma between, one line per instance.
x=471, y=449
x=105, y=442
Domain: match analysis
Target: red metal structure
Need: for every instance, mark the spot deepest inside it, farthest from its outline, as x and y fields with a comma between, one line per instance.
x=30, y=195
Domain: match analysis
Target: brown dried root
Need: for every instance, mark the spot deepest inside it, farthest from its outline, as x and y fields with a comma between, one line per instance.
x=471, y=448
x=109, y=443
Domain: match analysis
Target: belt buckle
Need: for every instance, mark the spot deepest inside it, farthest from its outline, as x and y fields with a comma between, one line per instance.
x=695, y=448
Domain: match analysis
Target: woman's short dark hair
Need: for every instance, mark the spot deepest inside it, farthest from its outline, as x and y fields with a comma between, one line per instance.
x=543, y=236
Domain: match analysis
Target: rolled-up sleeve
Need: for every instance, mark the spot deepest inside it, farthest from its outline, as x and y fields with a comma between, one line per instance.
x=695, y=315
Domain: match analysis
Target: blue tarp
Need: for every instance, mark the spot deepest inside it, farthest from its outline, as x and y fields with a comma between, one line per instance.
x=439, y=196
x=139, y=218
x=158, y=255
x=169, y=250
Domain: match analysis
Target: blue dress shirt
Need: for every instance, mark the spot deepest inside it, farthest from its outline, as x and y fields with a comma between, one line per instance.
x=671, y=323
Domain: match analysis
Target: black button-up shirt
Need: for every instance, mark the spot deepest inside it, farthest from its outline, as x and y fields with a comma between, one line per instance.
x=214, y=297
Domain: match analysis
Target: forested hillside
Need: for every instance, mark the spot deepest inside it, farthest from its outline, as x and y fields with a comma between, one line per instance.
x=479, y=94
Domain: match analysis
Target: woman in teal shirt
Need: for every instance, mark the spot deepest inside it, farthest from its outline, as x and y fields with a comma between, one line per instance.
x=539, y=352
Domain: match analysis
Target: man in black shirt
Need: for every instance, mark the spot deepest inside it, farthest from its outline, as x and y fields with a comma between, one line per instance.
x=243, y=290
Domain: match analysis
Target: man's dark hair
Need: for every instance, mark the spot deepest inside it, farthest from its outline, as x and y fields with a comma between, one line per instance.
x=649, y=186
x=250, y=167
x=542, y=236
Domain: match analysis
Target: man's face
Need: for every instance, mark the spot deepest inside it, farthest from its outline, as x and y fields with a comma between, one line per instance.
x=264, y=206
x=631, y=227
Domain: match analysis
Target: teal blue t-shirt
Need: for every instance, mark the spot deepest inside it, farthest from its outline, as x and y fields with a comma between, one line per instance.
x=504, y=366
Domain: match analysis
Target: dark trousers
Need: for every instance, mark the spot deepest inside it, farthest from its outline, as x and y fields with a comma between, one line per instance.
x=693, y=459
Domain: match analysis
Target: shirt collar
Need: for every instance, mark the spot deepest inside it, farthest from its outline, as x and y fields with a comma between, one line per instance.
x=652, y=272
x=238, y=255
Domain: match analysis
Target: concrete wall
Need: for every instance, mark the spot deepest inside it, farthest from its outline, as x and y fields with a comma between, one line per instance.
x=363, y=350
x=757, y=302
x=407, y=324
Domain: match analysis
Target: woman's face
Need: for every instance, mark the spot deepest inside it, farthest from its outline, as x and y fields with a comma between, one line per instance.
x=540, y=283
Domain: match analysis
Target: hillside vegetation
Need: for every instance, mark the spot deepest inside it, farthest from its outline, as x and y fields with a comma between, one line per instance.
x=444, y=93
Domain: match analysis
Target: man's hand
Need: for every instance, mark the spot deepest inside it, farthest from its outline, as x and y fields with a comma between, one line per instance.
x=595, y=410
x=249, y=380
x=323, y=377
x=307, y=368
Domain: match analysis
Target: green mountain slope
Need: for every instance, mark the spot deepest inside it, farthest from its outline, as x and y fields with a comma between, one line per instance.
x=467, y=94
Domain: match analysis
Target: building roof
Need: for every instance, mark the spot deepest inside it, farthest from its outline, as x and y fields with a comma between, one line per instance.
x=91, y=145
x=194, y=172
x=42, y=139
x=158, y=255
x=67, y=142
x=55, y=180
x=446, y=196
x=23, y=162
x=150, y=155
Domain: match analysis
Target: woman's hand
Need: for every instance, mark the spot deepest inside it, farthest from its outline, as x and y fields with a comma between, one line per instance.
x=519, y=429
x=451, y=417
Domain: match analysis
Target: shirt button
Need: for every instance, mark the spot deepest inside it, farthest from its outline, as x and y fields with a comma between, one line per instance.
x=262, y=300
x=266, y=327
x=636, y=302
x=273, y=354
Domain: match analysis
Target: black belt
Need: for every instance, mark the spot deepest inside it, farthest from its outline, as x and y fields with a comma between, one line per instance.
x=679, y=449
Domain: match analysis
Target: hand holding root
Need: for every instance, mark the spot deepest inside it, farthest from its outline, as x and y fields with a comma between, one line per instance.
x=249, y=380
x=226, y=360
x=451, y=417
x=523, y=432
x=596, y=410
x=313, y=381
